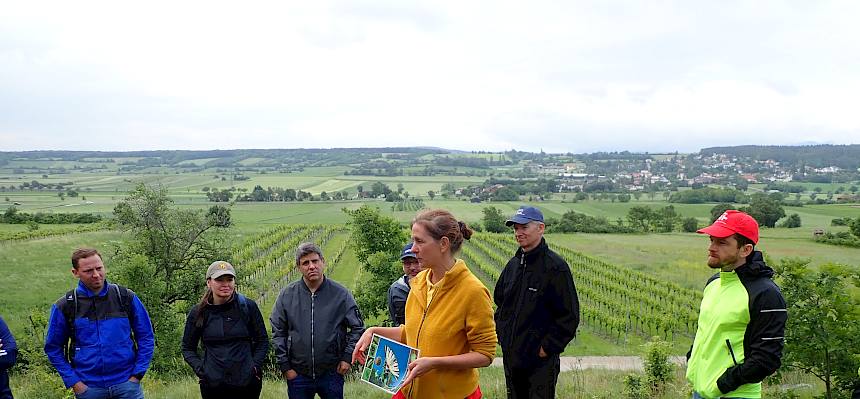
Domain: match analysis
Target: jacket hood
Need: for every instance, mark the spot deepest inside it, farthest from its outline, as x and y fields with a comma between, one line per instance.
x=755, y=266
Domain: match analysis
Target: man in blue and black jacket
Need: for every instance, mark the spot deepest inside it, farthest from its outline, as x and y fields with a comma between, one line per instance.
x=8, y=353
x=99, y=336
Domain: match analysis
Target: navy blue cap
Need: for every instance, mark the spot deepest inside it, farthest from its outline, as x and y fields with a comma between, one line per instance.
x=524, y=215
x=407, y=252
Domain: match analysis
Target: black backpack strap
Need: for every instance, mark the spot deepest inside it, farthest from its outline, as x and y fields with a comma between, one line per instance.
x=244, y=310
x=125, y=296
x=68, y=305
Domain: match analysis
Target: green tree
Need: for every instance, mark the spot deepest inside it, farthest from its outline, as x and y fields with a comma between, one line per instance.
x=855, y=227
x=665, y=219
x=163, y=259
x=690, y=225
x=766, y=210
x=791, y=222
x=379, y=188
x=431, y=194
x=639, y=217
x=822, y=334
x=494, y=221
x=506, y=194
x=377, y=241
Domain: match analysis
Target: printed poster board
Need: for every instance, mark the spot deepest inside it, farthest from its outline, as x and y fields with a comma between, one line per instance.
x=386, y=363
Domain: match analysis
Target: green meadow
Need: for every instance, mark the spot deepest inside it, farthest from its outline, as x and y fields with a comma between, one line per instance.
x=37, y=271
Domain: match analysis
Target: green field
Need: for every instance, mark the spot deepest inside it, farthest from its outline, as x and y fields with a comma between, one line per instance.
x=38, y=273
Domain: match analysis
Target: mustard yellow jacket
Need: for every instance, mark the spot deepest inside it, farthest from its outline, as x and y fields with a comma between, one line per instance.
x=459, y=319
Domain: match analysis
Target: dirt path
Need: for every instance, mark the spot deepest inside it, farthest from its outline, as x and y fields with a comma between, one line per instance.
x=622, y=363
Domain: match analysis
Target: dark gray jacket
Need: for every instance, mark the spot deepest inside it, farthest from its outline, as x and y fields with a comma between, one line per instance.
x=397, y=294
x=312, y=333
x=234, y=343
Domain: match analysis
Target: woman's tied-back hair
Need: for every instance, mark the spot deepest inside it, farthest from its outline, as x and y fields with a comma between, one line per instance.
x=441, y=223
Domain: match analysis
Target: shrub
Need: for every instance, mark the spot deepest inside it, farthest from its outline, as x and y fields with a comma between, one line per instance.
x=690, y=225
x=635, y=387
x=792, y=222
x=658, y=368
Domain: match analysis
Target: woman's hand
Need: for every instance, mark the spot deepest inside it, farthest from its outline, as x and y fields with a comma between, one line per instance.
x=360, y=352
x=419, y=367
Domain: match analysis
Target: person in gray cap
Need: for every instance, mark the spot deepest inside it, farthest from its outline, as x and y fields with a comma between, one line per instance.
x=233, y=335
x=399, y=290
x=537, y=310
x=315, y=325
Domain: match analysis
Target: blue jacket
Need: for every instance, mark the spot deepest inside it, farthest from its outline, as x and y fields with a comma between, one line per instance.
x=104, y=353
x=8, y=353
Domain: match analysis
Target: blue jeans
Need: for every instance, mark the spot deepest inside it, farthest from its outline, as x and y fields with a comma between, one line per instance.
x=328, y=386
x=696, y=396
x=125, y=390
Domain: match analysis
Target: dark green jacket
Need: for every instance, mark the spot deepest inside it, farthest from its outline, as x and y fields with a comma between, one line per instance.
x=740, y=335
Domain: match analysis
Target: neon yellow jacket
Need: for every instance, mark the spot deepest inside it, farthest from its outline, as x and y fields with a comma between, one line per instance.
x=740, y=335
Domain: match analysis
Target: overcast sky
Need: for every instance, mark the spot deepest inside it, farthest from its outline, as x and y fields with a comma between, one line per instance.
x=578, y=76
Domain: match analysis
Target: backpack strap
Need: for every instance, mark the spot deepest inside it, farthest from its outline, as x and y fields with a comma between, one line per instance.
x=68, y=305
x=125, y=296
x=244, y=310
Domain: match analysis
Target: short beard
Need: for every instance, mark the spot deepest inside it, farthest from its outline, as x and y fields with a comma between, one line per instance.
x=720, y=265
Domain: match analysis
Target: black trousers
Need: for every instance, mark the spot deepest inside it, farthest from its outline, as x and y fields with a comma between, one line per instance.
x=535, y=382
x=250, y=391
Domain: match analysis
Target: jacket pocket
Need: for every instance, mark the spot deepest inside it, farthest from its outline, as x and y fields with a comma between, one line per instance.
x=731, y=352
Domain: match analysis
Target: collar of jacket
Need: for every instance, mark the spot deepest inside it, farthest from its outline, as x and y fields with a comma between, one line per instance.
x=451, y=279
x=531, y=255
x=304, y=285
x=755, y=266
x=229, y=301
x=87, y=293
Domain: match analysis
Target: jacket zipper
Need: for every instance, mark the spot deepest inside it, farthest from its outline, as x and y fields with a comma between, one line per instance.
x=418, y=337
x=731, y=352
x=313, y=355
x=518, y=305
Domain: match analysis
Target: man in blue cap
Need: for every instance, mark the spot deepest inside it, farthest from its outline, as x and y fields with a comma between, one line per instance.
x=537, y=310
x=399, y=290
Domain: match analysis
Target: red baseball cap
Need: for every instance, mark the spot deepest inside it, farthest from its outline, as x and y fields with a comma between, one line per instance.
x=731, y=222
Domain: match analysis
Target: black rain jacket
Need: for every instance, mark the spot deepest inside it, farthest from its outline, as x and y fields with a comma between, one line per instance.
x=537, y=306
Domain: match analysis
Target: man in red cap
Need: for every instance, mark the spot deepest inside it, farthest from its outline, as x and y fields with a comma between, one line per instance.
x=742, y=317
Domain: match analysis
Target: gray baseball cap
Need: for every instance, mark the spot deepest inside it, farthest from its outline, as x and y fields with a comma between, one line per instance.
x=220, y=268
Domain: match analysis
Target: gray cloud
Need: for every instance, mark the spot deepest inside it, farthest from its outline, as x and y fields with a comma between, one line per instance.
x=573, y=76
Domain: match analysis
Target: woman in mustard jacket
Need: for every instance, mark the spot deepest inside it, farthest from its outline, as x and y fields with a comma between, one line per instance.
x=449, y=316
